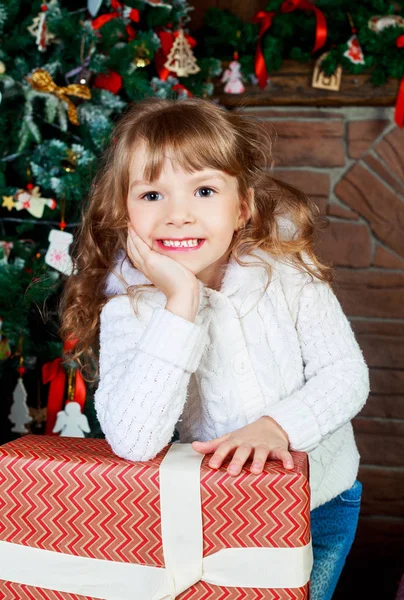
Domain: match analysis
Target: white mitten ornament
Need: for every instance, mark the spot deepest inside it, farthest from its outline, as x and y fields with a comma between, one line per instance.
x=57, y=255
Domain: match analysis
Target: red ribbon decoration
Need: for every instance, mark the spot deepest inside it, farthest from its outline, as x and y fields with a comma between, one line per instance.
x=265, y=19
x=321, y=23
x=167, y=39
x=55, y=373
x=179, y=87
x=399, y=112
x=133, y=15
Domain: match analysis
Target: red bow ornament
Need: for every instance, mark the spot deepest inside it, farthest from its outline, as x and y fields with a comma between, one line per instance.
x=55, y=373
x=265, y=19
x=399, y=112
x=120, y=11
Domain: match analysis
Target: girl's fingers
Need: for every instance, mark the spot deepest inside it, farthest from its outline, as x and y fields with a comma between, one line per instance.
x=211, y=445
x=283, y=455
x=240, y=456
x=220, y=454
x=260, y=458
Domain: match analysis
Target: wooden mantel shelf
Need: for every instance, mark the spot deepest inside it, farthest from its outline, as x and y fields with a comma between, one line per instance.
x=291, y=86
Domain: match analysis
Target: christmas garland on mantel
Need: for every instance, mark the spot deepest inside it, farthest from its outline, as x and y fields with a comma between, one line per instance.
x=357, y=37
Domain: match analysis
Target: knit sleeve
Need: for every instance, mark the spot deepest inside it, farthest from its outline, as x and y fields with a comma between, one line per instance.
x=337, y=377
x=145, y=367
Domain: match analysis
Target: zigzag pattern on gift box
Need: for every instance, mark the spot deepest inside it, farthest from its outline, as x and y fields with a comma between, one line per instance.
x=203, y=591
x=75, y=496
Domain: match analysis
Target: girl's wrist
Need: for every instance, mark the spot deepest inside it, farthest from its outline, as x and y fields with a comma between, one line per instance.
x=266, y=417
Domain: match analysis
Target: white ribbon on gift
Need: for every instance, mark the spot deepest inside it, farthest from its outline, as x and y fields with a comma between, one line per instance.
x=182, y=537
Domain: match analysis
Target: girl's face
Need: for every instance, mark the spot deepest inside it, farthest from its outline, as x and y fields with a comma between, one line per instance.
x=200, y=205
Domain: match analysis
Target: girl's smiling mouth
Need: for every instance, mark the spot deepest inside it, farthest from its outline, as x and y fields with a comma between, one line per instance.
x=177, y=246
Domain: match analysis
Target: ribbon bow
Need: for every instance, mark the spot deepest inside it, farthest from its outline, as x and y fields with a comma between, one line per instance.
x=42, y=81
x=120, y=10
x=265, y=18
x=399, y=112
x=55, y=373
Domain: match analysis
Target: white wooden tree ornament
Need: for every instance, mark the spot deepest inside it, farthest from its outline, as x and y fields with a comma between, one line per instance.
x=19, y=414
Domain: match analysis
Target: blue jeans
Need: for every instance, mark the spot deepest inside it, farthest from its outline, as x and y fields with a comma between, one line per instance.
x=333, y=528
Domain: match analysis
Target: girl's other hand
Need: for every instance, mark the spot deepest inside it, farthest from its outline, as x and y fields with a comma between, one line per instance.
x=170, y=276
x=264, y=438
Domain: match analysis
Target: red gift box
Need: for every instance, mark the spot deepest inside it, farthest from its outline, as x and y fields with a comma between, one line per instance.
x=78, y=522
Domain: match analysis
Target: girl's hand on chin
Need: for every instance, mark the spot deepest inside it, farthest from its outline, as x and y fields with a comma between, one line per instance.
x=264, y=438
x=167, y=274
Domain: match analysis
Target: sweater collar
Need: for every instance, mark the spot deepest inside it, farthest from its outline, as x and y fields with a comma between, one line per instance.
x=235, y=276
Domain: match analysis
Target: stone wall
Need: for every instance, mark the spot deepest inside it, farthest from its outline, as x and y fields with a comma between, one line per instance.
x=350, y=161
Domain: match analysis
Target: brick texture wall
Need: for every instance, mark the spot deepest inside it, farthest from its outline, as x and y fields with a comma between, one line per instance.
x=350, y=161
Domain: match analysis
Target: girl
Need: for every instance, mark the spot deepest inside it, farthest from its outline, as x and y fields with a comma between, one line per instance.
x=244, y=358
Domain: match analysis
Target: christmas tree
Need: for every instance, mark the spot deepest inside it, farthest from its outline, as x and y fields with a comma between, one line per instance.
x=66, y=74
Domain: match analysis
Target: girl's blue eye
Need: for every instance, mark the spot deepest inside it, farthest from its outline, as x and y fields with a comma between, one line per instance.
x=150, y=194
x=206, y=188
x=157, y=194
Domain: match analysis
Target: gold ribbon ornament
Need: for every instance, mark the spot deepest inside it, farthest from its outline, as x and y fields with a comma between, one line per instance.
x=42, y=81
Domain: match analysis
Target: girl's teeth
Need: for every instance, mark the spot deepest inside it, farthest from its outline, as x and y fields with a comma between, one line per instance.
x=189, y=244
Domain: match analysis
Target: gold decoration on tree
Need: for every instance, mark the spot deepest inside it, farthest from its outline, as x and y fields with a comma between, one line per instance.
x=141, y=59
x=69, y=164
x=326, y=82
x=8, y=202
x=42, y=81
x=181, y=59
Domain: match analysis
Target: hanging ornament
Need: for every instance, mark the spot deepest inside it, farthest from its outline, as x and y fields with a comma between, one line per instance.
x=232, y=75
x=181, y=59
x=167, y=39
x=39, y=28
x=54, y=373
x=8, y=202
x=69, y=164
x=42, y=82
x=120, y=10
x=326, y=82
x=31, y=200
x=57, y=255
x=354, y=51
x=93, y=6
x=378, y=23
x=82, y=74
x=6, y=249
x=19, y=414
x=111, y=81
x=71, y=422
x=38, y=413
x=141, y=58
x=5, y=349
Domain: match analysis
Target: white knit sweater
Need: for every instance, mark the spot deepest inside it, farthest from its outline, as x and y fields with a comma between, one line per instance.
x=292, y=356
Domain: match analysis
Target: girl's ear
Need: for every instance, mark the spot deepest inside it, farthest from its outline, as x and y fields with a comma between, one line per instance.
x=246, y=204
